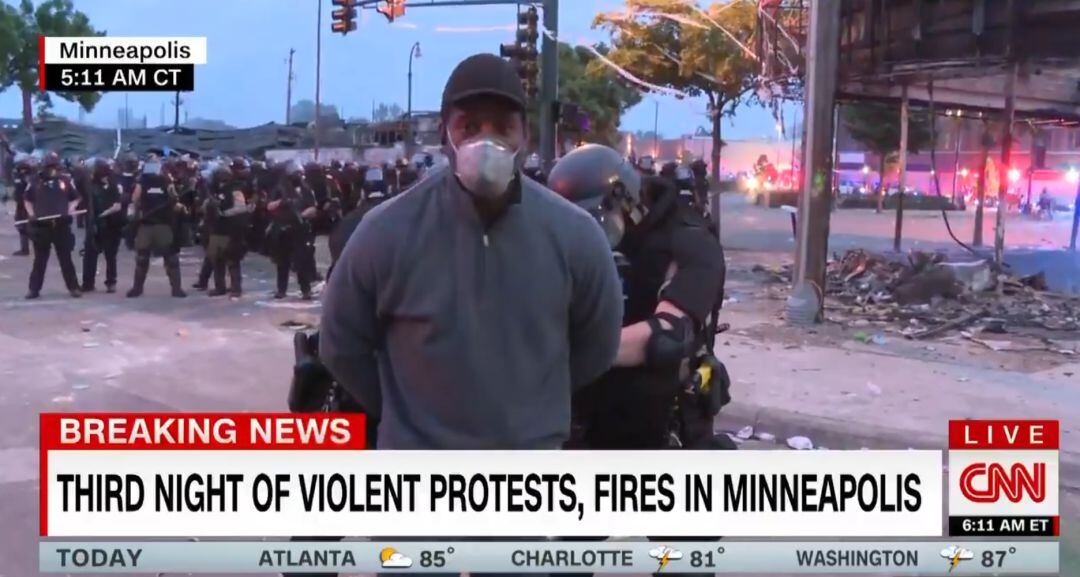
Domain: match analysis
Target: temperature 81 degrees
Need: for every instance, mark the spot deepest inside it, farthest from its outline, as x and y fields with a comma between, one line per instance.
x=435, y=557
x=706, y=557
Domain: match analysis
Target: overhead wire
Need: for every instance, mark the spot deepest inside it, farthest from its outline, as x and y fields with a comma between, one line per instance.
x=933, y=168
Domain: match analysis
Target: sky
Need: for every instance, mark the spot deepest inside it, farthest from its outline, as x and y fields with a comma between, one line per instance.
x=244, y=80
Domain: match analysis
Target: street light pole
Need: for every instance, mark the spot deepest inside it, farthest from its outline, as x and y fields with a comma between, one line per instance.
x=414, y=51
x=655, y=131
x=318, y=70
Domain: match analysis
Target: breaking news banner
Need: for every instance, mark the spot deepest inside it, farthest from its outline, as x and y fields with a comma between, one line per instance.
x=119, y=63
x=278, y=475
x=1003, y=478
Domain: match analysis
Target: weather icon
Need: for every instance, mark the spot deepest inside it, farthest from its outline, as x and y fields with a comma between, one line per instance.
x=391, y=559
x=664, y=555
x=956, y=554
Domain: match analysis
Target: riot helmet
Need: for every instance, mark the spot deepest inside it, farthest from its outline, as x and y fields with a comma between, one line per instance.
x=599, y=180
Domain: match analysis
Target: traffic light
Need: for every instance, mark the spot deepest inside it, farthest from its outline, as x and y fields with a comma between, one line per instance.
x=523, y=51
x=392, y=9
x=344, y=18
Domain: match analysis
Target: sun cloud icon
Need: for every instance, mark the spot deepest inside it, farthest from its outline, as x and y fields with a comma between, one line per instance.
x=391, y=559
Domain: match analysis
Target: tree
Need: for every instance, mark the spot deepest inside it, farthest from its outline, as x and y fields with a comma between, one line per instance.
x=600, y=93
x=304, y=111
x=20, y=28
x=698, y=52
x=877, y=127
x=385, y=112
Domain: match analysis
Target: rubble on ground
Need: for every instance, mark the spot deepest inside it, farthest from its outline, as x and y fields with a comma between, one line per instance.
x=922, y=296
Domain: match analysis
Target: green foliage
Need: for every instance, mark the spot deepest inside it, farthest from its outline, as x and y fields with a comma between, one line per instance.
x=696, y=51
x=595, y=89
x=304, y=111
x=386, y=112
x=669, y=43
x=877, y=127
x=19, y=30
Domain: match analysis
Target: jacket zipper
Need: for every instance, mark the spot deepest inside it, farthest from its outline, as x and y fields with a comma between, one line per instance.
x=483, y=264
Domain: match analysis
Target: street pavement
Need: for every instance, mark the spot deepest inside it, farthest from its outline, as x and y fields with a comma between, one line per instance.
x=109, y=353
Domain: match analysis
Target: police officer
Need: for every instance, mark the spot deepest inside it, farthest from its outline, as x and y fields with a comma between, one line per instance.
x=228, y=215
x=105, y=226
x=406, y=175
x=292, y=207
x=646, y=166
x=154, y=205
x=21, y=179
x=375, y=186
x=699, y=169
x=126, y=180
x=533, y=170
x=49, y=203
x=673, y=275
x=205, y=183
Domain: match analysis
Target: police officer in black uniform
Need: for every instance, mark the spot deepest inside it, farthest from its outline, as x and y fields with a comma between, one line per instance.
x=291, y=244
x=126, y=180
x=666, y=386
x=228, y=215
x=533, y=169
x=21, y=181
x=205, y=185
x=155, y=206
x=105, y=226
x=49, y=203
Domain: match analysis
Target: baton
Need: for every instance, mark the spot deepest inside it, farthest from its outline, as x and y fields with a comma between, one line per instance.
x=53, y=217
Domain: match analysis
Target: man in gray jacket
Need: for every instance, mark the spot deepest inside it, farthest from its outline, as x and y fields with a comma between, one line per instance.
x=463, y=313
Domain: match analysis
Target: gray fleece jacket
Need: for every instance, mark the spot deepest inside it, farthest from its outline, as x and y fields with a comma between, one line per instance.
x=457, y=335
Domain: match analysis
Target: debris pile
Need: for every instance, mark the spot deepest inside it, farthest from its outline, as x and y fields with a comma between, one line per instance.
x=931, y=297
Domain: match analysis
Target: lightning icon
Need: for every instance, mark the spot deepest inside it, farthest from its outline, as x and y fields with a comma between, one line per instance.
x=955, y=560
x=664, y=560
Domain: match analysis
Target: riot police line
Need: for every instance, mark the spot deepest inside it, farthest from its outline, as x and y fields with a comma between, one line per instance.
x=157, y=206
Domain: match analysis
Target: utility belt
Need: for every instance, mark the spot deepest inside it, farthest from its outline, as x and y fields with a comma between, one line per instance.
x=705, y=389
x=313, y=388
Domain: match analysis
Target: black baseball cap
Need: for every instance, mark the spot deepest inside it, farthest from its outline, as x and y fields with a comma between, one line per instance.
x=483, y=74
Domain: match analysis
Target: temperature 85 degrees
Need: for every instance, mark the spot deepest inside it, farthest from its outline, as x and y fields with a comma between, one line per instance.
x=435, y=557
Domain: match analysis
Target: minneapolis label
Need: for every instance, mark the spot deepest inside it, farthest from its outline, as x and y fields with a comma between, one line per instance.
x=120, y=77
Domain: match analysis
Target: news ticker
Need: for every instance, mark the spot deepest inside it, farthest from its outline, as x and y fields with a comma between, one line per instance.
x=891, y=557
x=118, y=63
x=278, y=475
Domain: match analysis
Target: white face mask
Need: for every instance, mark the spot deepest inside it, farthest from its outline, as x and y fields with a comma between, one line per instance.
x=485, y=166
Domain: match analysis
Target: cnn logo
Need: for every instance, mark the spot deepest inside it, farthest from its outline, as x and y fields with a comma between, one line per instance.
x=986, y=482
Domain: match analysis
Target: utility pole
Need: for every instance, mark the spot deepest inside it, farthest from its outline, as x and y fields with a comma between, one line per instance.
x=176, y=111
x=823, y=45
x=318, y=72
x=1006, y=159
x=549, y=82
x=656, y=131
x=980, y=203
x=905, y=110
x=288, y=90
